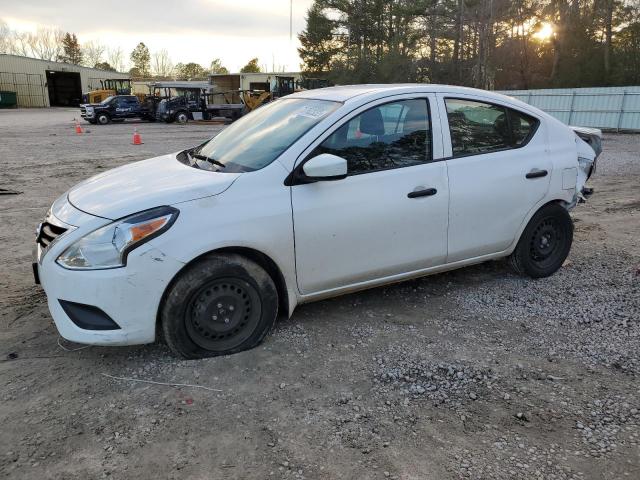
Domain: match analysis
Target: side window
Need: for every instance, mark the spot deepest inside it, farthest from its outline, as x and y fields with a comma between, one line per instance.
x=478, y=127
x=522, y=126
x=392, y=135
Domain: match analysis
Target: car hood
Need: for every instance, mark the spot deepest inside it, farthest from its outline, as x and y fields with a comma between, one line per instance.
x=146, y=184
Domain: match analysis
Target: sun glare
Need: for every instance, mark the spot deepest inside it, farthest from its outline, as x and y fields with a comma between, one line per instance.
x=545, y=32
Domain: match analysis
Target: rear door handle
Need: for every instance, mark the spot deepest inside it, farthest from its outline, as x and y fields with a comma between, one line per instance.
x=427, y=192
x=535, y=173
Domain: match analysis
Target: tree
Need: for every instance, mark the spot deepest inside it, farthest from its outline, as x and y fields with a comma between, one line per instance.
x=115, y=57
x=45, y=43
x=141, y=59
x=251, y=67
x=190, y=71
x=93, y=53
x=217, y=67
x=71, y=51
x=161, y=64
x=318, y=44
x=482, y=43
x=104, y=66
x=5, y=37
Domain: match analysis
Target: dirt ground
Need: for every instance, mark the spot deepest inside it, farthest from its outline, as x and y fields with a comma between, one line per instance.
x=476, y=373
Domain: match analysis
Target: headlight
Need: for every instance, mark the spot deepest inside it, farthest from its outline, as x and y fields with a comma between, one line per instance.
x=109, y=246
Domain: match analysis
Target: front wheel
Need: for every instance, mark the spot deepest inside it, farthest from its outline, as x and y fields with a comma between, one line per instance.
x=103, y=118
x=182, y=117
x=545, y=242
x=220, y=305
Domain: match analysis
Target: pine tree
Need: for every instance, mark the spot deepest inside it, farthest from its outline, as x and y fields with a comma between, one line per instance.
x=71, y=51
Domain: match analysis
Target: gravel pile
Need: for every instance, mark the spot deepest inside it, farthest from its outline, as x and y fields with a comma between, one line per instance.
x=608, y=423
x=444, y=383
x=590, y=309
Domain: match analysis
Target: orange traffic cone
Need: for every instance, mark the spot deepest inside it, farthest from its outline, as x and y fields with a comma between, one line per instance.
x=137, y=139
x=78, y=128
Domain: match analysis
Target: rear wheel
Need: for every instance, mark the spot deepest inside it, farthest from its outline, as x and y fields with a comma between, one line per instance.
x=220, y=305
x=545, y=242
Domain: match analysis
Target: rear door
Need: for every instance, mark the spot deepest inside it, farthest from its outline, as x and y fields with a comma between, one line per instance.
x=389, y=215
x=499, y=168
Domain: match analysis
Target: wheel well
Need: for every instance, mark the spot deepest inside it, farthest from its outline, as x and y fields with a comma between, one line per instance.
x=270, y=266
x=254, y=255
x=559, y=201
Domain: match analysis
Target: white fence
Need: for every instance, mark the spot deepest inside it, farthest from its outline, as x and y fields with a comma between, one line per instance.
x=610, y=108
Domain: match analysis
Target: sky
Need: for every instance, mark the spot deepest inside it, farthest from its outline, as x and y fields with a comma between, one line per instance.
x=190, y=30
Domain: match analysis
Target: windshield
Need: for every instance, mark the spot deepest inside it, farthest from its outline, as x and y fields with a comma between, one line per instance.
x=107, y=100
x=258, y=138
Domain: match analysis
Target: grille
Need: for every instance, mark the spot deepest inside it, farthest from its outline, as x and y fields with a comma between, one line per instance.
x=48, y=233
x=83, y=111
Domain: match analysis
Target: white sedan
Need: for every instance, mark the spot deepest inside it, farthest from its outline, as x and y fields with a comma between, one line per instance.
x=314, y=195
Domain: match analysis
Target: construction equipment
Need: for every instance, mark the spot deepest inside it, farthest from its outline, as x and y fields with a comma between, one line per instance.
x=252, y=99
x=309, y=83
x=109, y=88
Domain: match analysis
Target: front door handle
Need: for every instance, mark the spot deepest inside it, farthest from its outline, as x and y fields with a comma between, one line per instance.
x=535, y=173
x=427, y=192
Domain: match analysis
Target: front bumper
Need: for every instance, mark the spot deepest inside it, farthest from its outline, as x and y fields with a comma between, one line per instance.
x=130, y=295
x=87, y=113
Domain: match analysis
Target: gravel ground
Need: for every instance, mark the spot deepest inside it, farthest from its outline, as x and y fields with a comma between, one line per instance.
x=476, y=373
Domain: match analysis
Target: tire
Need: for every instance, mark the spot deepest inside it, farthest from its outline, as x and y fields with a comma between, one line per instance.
x=545, y=242
x=220, y=305
x=103, y=119
x=181, y=117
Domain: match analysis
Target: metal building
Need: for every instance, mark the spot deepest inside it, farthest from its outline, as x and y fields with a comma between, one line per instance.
x=611, y=108
x=41, y=83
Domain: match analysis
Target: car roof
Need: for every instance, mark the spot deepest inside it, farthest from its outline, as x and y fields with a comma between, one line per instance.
x=346, y=93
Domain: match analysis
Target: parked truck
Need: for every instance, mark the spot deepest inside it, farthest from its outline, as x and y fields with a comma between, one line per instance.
x=117, y=108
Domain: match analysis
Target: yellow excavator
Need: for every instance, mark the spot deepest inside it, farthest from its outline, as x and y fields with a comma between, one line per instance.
x=109, y=87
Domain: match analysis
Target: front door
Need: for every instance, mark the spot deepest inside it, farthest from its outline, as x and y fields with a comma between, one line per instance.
x=499, y=169
x=389, y=216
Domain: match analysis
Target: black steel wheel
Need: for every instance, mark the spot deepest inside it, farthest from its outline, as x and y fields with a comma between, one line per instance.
x=221, y=304
x=545, y=242
x=223, y=313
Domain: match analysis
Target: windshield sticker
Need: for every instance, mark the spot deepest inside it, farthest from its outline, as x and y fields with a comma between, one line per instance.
x=311, y=111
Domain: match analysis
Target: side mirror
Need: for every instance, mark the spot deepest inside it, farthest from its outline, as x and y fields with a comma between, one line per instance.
x=325, y=167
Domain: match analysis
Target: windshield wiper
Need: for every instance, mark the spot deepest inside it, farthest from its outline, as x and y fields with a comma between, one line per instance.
x=208, y=159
